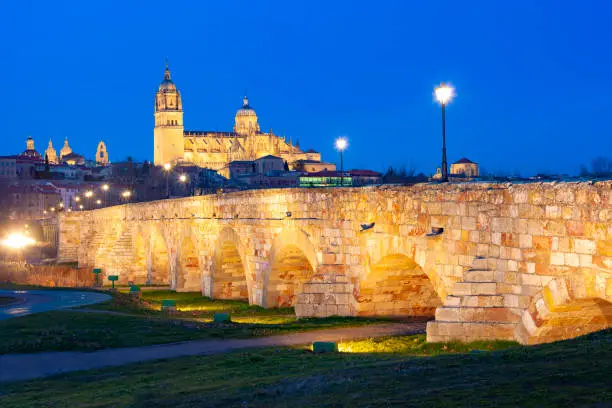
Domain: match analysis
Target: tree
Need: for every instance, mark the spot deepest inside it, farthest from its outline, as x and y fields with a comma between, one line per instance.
x=601, y=166
x=584, y=171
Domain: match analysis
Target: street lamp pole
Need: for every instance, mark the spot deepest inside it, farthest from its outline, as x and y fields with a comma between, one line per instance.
x=444, y=93
x=341, y=144
x=167, y=167
x=444, y=163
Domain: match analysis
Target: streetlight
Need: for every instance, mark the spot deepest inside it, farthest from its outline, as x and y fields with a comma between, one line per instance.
x=80, y=206
x=88, y=195
x=183, y=180
x=98, y=201
x=341, y=145
x=444, y=94
x=167, y=168
x=105, y=188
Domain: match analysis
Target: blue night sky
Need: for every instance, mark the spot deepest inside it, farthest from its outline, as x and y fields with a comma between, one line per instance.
x=532, y=77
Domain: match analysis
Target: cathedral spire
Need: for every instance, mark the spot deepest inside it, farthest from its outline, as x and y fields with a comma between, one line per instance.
x=167, y=71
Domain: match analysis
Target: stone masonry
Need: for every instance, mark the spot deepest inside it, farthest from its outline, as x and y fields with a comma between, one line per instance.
x=531, y=262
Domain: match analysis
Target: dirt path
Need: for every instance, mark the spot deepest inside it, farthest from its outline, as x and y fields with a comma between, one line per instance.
x=14, y=367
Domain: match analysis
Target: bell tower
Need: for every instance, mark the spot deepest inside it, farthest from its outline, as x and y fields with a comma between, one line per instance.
x=168, y=138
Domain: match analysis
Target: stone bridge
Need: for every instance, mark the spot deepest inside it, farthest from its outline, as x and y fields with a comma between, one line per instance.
x=530, y=262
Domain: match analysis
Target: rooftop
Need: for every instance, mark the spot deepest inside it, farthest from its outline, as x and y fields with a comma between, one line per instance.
x=464, y=160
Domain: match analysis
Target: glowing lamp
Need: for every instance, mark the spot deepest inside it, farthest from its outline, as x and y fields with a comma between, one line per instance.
x=444, y=93
x=17, y=241
x=341, y=143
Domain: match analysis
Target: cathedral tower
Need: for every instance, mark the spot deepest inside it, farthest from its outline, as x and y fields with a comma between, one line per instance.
x=66, y=150
x=51, y=153
x=102, y=154
x=169, y=145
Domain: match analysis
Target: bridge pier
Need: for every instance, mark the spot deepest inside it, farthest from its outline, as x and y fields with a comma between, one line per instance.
x=329, y=293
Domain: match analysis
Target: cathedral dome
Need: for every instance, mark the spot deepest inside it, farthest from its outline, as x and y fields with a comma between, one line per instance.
x=246, y=110
x=30, y=152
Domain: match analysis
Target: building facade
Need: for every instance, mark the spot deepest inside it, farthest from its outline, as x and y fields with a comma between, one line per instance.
x=213, y=149
x=465, y=167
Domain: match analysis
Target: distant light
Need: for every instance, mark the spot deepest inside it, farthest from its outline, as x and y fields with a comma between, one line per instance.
x=89, y=194
x=341, y=143
x=81, y=206
x=52, y=208
x=183, y=178
x=167, y=166
x=444, y=93
x=17, y=241
x=105, y=187
x=70, y=209
x=126, y=194
x=98, y=201
x=77, y=199
x=61, y=205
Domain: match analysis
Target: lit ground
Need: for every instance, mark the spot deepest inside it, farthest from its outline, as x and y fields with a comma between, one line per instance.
x=125, y=322
x=400, y=371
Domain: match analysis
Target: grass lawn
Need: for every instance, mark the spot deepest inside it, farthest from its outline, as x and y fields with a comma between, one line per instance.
x=400, y=371
x=146, y=325
x=194, y=305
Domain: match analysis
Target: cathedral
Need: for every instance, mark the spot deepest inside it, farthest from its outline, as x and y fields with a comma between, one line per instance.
x=212, y=149
x=66, y=155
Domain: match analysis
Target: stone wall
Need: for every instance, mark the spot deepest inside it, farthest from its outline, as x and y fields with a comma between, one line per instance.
x=487, y=275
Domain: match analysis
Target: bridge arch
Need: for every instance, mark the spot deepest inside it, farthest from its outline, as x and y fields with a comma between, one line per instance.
x=188, y=264
x=229, y=277
x=160, y=263
x=396, y=286
x=292, y=263
x=139, y=268
x=568, y=306
x=399, y=278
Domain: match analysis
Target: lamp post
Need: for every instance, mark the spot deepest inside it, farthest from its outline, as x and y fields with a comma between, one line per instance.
x=167, y=168
x=105, y=188
x=183, y=180
x=341, y=145
x=88, y=195
x=444, y=94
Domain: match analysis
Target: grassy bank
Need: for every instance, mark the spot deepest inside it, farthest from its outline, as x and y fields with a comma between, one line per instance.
x=127, y=322
x=401, y=371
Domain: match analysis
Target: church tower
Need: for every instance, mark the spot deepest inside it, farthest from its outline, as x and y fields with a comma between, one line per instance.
x=102, y=154
x=169, y=144
x=51, y=153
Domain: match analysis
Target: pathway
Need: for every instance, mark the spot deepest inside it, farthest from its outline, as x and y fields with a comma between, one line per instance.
x=35, y=301
x=14, y=367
